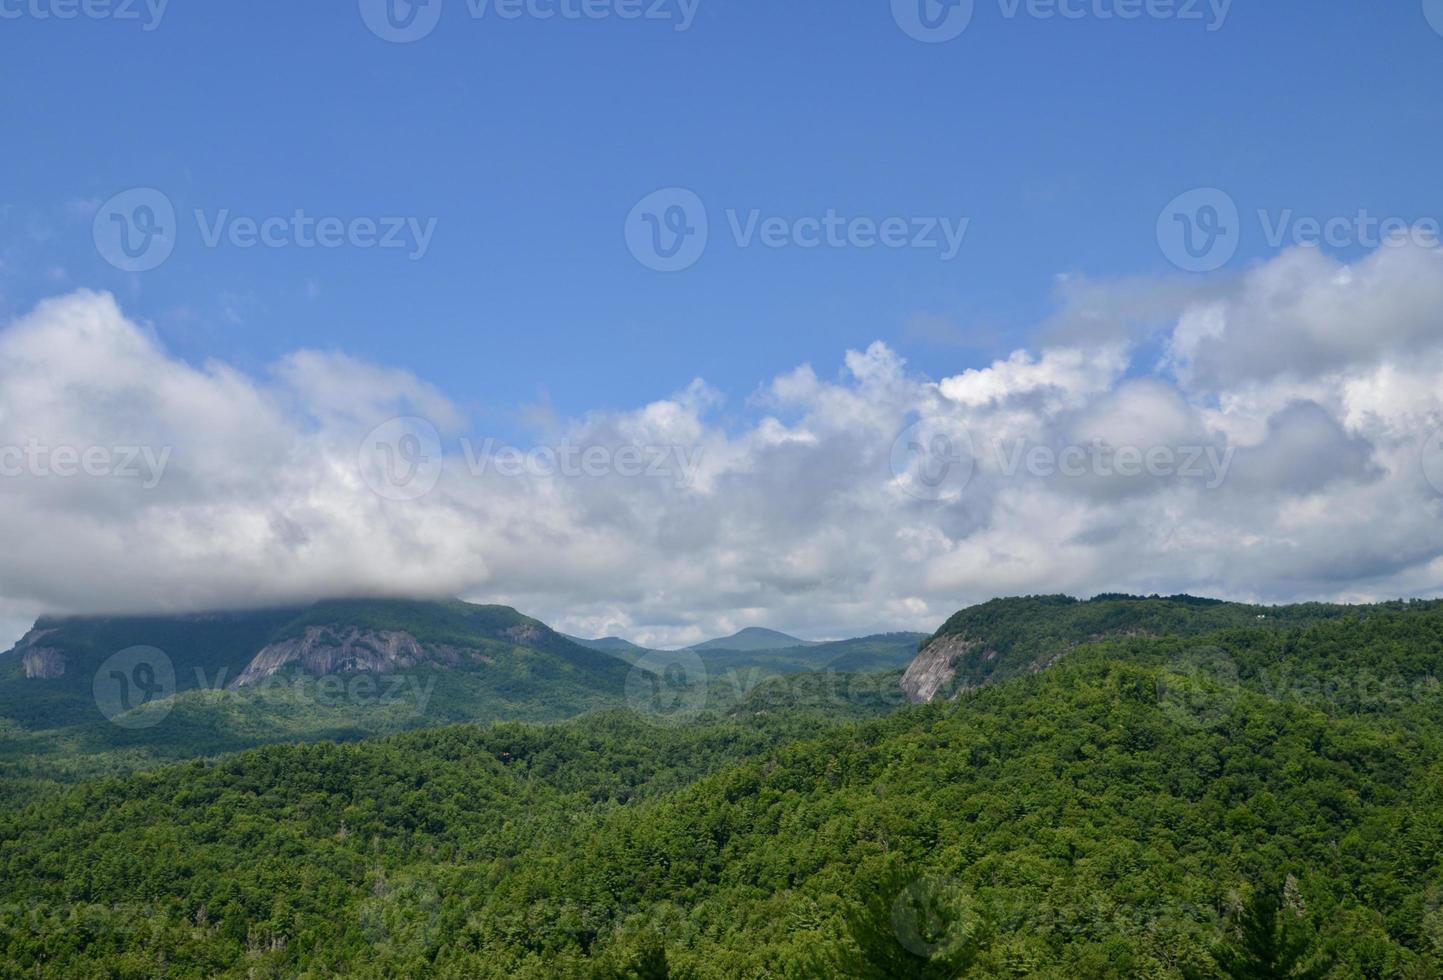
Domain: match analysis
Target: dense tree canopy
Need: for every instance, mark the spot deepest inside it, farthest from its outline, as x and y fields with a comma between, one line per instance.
x=1257, y=801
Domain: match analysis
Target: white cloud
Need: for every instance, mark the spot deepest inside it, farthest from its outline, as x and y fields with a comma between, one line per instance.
x=1304, y=315
x=1318, y=382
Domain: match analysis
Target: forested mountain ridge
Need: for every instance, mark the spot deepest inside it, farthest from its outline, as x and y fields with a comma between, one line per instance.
x=385, y=635
x=750, y=639
x=877, y=652
x=128, y=692
x=220, y=646
x=1011, y=637
x=1253, y=801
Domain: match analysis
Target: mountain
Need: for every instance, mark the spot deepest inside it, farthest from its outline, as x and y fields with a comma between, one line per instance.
x=775, y=653
x=382, y=636
x=80, y=694
x=49, y=677
x=1011, y=637
x=615, y=646
x=1274, y=808
x=863, y=654
x=750, y=639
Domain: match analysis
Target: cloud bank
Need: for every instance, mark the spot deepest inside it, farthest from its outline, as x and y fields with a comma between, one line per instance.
x=1277, y=448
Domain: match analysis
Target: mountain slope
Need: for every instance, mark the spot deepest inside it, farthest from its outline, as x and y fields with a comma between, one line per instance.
x=205, y=650
x=613, y=645
x=1011, y=637
x=750, y=639
x=344, y=669
x=1120, y=815
x=864, y=654
x=384, y=635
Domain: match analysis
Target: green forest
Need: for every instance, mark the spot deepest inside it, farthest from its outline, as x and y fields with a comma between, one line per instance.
x=1240, y=798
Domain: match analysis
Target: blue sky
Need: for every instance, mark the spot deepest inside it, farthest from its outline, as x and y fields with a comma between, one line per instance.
x=1082, y=237
x=528, y=141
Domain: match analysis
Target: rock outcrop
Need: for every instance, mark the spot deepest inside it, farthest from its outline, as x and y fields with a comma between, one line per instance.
x=323, y=650
x=935, y=667
x=38, y=661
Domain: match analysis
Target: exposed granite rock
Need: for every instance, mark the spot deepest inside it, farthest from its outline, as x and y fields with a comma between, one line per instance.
x=43, y=663
x=935, y=667
x=39, y=662
x=525, y=634
x=324, y=650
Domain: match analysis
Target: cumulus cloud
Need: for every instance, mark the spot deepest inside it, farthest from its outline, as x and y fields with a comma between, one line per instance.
x=1303, y=315
x=1276, y=452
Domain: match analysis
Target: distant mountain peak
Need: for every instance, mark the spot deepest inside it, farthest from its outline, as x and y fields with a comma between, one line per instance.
x=752, y=638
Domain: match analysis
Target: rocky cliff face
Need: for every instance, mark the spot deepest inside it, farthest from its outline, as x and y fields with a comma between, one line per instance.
x=935, y=667
x=969, y=658
x=37, y=660
x=323, y=650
